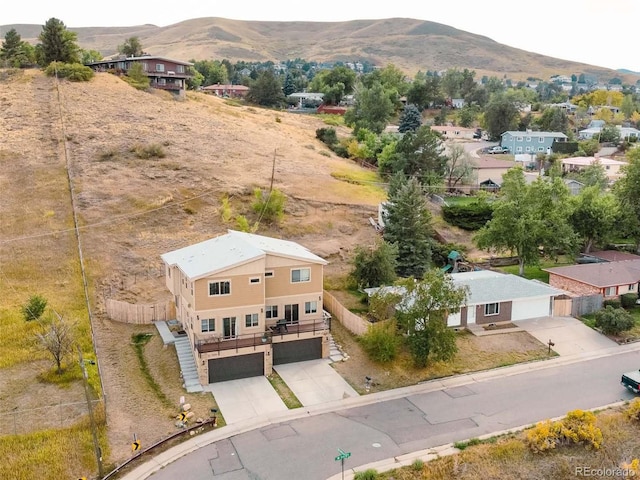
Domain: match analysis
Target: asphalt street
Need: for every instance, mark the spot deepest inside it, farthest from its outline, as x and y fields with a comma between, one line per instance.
x=307, y=447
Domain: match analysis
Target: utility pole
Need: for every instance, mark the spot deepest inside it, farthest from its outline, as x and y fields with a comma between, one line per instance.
x=94, y=433
x=273, y=169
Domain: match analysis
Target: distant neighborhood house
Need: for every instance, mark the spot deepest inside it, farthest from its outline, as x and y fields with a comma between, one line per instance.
x=577, y=164
x=164, y=73
x=227, y=91
x=531, y=142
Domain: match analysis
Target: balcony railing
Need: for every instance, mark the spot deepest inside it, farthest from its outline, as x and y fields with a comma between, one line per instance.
x=278, y=328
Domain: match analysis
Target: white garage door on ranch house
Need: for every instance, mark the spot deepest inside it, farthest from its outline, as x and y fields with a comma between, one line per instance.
x=498, y=297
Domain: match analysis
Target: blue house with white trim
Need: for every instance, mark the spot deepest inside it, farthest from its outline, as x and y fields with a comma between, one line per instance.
x=531, y=142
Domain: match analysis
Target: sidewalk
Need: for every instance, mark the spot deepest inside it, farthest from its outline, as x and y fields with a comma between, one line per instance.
x=173, y=454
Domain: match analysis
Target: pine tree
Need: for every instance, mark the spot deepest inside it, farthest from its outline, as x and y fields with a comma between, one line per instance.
x=410, y=120
x=14, y=52
x=57, y=44
x=408, y=226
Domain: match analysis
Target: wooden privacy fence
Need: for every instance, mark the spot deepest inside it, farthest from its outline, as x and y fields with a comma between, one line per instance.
x=352, y=322
x=586, y=304
x=562, y=306
x=139, y=314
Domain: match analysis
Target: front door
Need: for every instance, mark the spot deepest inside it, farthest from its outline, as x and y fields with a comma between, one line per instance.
x=291, y=313
x=229, y=327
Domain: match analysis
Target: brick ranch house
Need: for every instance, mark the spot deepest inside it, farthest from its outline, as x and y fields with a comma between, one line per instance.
x=164, y=73
x=248, y=302
x=609, y=278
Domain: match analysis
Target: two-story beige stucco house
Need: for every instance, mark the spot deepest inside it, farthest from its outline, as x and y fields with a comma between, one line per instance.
x=248, y=302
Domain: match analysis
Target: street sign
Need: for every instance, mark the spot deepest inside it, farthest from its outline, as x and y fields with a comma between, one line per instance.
x=342, y=455
x=135, y=445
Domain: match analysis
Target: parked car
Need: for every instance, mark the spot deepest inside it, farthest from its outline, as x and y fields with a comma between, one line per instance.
x=478, y=133
x=497, y=149
x=631, y=380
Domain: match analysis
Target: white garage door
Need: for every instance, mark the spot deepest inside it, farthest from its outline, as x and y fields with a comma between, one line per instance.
x=454, y=320
x=530, y=308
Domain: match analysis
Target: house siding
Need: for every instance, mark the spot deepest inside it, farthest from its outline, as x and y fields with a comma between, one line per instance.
x=504, y=314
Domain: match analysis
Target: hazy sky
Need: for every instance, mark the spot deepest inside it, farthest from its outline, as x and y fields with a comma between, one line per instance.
x=598, y=32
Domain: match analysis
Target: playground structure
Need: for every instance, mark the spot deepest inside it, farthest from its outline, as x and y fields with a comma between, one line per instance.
x=456, y=263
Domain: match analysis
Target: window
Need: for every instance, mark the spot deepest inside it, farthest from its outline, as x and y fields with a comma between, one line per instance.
x=528, y=139
x=609, y=291
x=291, y=313
x=145, y=66
x=632, y=288
x=528, y=149
x=220, y=288
x=254, y=280
x=159, y=67
x=180, y=68
x=251, y=320
x=208, y=325
x=520, y=139
x=268, y=273
x=541, y=139
x=310, y=307
x=300, y=275
x=271, y=311
x=491, y=309
x=541, y=149
x=192, y=289
x=518, y=149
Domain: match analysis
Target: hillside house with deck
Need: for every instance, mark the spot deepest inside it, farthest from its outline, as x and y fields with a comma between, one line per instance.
x=248, y=302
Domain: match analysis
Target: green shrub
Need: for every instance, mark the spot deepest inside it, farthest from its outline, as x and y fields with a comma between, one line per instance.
x=269, y=206
x=34, y=307
x=417, y=465
x=613, y=321
x=612, y=302
x=225, y=210
x=327, y=136
x=368, y=474
x=74, y=72
x=471, y=216
x=242, y=224
x=628, y=300
x=381, y=342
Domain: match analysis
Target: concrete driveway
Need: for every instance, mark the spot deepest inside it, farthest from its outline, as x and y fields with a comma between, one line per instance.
x=569, y=335
x=315, y=382
x=246, y=398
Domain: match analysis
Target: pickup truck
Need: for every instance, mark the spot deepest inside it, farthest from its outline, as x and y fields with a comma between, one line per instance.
x=631, y=380
x=498, y=149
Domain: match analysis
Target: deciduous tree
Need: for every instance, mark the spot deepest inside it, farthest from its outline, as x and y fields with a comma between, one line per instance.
x=376, y=265
x=423, y=313
x=372, y=110
x=527, y=218
x=459, y=167
x=266, y=90
x=132, y=47
x=57, y=338
x=501, y=115
x=627, y=189
x=594, y=214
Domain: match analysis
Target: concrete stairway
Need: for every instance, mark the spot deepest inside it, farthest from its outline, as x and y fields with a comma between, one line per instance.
x=335, y=352
x=188, y=368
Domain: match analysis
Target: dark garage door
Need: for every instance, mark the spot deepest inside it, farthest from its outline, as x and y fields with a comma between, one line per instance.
x=233, y=368
x=297, y=351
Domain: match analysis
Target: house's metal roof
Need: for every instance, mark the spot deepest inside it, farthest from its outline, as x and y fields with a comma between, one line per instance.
x=535, y=134
x=601, y=275
x=234, y=248
x=487, y=286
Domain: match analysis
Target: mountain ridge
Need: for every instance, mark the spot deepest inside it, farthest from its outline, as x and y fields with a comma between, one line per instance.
x=410, y=44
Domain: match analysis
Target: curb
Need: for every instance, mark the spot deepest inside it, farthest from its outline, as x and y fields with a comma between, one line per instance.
x=441, y=451
x=157, y=463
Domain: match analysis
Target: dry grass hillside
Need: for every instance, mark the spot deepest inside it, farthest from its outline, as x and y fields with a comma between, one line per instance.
x=410, y=44
x=133, y=209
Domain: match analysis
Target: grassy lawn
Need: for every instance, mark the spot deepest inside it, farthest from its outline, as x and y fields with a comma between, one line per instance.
x=535, y=272
x=589, y=319
x=463, y=200
x=287, y=396
x=474, y=354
